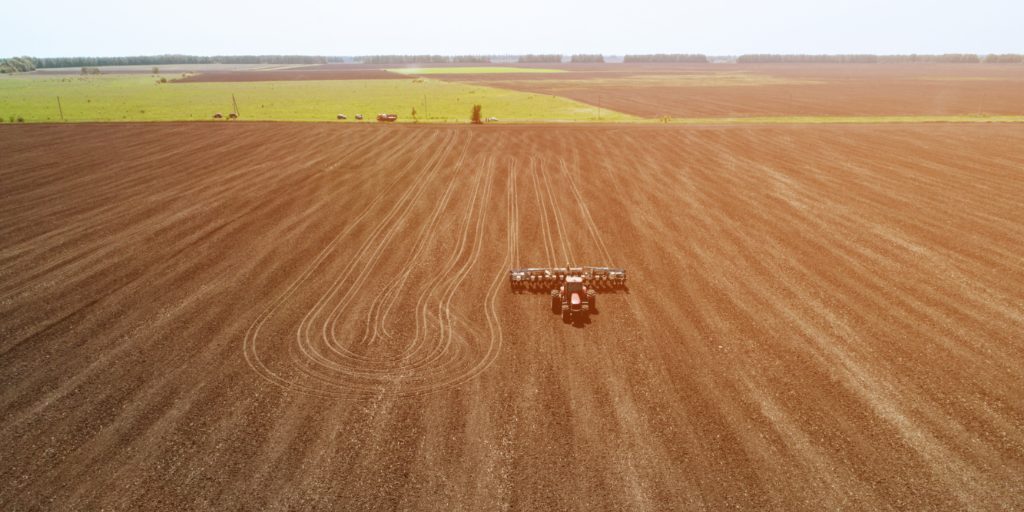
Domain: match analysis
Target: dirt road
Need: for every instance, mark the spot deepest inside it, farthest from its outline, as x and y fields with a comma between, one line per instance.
x=279, y=316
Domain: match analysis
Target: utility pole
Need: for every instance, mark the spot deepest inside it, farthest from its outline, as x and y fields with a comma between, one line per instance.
x=60, y=109
x=598, y=107
x=235, y=104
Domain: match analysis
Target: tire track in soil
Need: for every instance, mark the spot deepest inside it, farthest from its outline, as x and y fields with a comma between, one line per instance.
x=251, y=336
x=379, y=241
x=549, y=243
x=423, y=366
x=427, y=235
x=557, y=212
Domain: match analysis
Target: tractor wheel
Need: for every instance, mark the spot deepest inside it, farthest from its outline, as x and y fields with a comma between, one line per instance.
x=567, y=316
x=556, y=301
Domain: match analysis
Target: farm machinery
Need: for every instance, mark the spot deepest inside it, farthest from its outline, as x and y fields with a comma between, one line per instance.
x=573, y=290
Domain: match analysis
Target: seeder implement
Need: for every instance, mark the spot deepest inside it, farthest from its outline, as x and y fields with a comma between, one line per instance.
x=552, y=278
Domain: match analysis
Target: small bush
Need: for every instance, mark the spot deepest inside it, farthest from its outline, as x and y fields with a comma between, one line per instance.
x=21, y=119
x=17, y=64
x=476, y=117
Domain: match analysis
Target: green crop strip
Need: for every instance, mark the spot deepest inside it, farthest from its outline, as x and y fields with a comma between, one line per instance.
x=142, y=98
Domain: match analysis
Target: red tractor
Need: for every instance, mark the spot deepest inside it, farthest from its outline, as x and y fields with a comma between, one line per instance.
x=573, y=289
x=573, y=299
x=387, y=118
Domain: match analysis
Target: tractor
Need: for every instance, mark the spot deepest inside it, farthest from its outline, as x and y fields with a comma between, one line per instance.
x=573, y=289
x=573, y=299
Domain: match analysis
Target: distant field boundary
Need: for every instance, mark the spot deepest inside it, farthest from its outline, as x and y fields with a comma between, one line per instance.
x=693, y=121
x=472, y=70
x=975, y=118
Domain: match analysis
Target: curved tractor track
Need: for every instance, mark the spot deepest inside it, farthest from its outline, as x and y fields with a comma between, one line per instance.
x=282, y=317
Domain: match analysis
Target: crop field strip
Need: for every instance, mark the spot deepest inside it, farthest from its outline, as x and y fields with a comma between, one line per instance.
x=824, y=316
x=119, y=98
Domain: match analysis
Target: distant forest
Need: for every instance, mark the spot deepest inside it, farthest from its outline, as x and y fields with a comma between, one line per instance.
x=1006, y=58
x=156, y=60
x=951, y=58
x=424, y=59
x=23, y=64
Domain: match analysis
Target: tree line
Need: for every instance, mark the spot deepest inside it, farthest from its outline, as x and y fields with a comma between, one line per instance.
x=948, y=58
x=667, y=57
x=1006, y=58
x=774, y=58
x=423, y=59
x=25, y=63
x=156, y=60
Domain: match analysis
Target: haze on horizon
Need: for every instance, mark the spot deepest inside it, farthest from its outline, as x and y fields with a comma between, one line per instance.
x=55, y=28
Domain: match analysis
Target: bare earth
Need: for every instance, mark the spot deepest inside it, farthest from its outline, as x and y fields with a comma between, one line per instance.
x=785, y=89
x=278, y=316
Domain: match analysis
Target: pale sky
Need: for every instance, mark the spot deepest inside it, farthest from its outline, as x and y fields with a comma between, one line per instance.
x=53, y=28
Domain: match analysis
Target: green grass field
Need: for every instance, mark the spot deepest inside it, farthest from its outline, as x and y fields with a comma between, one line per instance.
x=471, y=70
x=140, y=98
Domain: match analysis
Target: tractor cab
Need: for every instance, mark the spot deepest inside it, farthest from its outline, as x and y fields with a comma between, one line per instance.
x=575, y=292
x=574, y=284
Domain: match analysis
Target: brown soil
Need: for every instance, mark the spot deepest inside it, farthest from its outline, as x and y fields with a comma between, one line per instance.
x=300, y=316
x=830, y=89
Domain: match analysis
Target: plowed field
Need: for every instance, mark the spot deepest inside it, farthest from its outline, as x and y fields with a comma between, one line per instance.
x=722, y=90
x=278, y=316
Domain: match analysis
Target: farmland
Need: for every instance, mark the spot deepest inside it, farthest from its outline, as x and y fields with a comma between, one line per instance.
x=765, y=90
x=142, y=98
x=316, y=316
x=620, y=93
x=470, y=70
